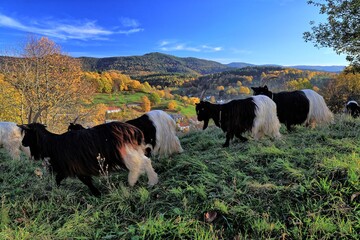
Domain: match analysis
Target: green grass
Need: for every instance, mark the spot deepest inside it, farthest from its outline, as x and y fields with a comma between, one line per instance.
x=119, y=99
x=304, y=186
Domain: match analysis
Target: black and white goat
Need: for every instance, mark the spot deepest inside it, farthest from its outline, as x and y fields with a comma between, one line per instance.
x=10, y=139
x=256, y=114
x=159, y=131
x=77, y=153
x=353, y=108
x=298, y=107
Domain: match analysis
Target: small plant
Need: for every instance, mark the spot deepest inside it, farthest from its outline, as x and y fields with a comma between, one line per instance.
x=104, y=172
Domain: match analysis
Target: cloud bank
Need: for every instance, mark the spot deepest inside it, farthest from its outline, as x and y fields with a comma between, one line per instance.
x=169, y=46
x=65, y=30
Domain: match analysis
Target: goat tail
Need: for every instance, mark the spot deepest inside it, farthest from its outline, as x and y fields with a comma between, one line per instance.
x=319, y=113
x=167, y=142
x=266, y=121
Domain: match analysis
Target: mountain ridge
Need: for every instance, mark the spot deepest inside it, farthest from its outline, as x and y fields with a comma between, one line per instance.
x=325, y=68
x=156, y=62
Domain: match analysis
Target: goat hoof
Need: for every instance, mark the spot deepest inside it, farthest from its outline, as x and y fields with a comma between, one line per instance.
x=96, y=193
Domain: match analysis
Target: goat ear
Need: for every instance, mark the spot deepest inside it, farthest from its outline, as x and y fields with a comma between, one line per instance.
x=24, y=127
x=265, y=87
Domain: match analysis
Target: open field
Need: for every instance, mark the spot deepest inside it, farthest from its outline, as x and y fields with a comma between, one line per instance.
x=304, y=186
x=128, y=98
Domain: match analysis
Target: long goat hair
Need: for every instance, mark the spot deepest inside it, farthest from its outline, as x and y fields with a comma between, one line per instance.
x=10, y=139
x=78, y=153
x=298, y=107
x=256, y=114
x=353, y=108
x=159, y=131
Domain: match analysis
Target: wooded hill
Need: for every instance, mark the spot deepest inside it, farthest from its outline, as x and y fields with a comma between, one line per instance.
x=166, y=70
x=155, y=63
x=239, y=81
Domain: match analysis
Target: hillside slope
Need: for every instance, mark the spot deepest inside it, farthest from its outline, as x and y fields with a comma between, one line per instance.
x=153, y=63
x=304, y=186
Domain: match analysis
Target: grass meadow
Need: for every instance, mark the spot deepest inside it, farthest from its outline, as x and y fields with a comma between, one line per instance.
x=303, y=186
x=119, y=99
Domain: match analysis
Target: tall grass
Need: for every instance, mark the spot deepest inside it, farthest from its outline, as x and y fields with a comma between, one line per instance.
x=303, y=186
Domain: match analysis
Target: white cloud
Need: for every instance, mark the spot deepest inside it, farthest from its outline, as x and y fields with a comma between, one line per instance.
x=128, y=22
x=81, y=30
x=164, y=43
x=130, y=31
x=175, y=46
x=211, y=49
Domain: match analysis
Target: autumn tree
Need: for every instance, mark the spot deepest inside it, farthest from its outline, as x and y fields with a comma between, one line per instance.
x=341, y=31
x=10, y=99
x=341, y=89
x=220, y=88
x=154, y=98
x=145, y=104
x=194, y=100
x=48, y=81
x=297, y=84
x=172, y=105
x=244, y=90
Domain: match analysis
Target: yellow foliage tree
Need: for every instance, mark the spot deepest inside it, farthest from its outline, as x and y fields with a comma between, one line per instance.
x=298, y=84
x=220, y=88
x=145, y=104
x=244, y=90
x=48, y=81
x=344, y=87
x=194, y=100
x=172, y=105
x=10, y=99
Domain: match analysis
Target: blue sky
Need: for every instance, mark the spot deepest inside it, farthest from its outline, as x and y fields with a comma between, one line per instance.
x=252, y=31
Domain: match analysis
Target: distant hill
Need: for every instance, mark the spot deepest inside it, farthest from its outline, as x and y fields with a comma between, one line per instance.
x=301, y=67
x=320, y=68
x=153, y=63
x=240, y=65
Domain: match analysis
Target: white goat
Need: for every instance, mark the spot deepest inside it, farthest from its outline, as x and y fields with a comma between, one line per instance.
x=10, y=139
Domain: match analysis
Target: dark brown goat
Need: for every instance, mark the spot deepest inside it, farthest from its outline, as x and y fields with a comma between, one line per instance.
x=77, y=153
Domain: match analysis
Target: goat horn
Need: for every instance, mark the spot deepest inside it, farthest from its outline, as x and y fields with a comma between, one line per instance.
x=30, y=113
x=76, y=119
x=38, y=113
x=203, y=93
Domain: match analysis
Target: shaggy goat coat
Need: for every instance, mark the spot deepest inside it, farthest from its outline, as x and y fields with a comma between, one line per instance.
x=298, y=107
x=81, y=153
x=159, y=131
x=10, y=139
x=256, y=114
